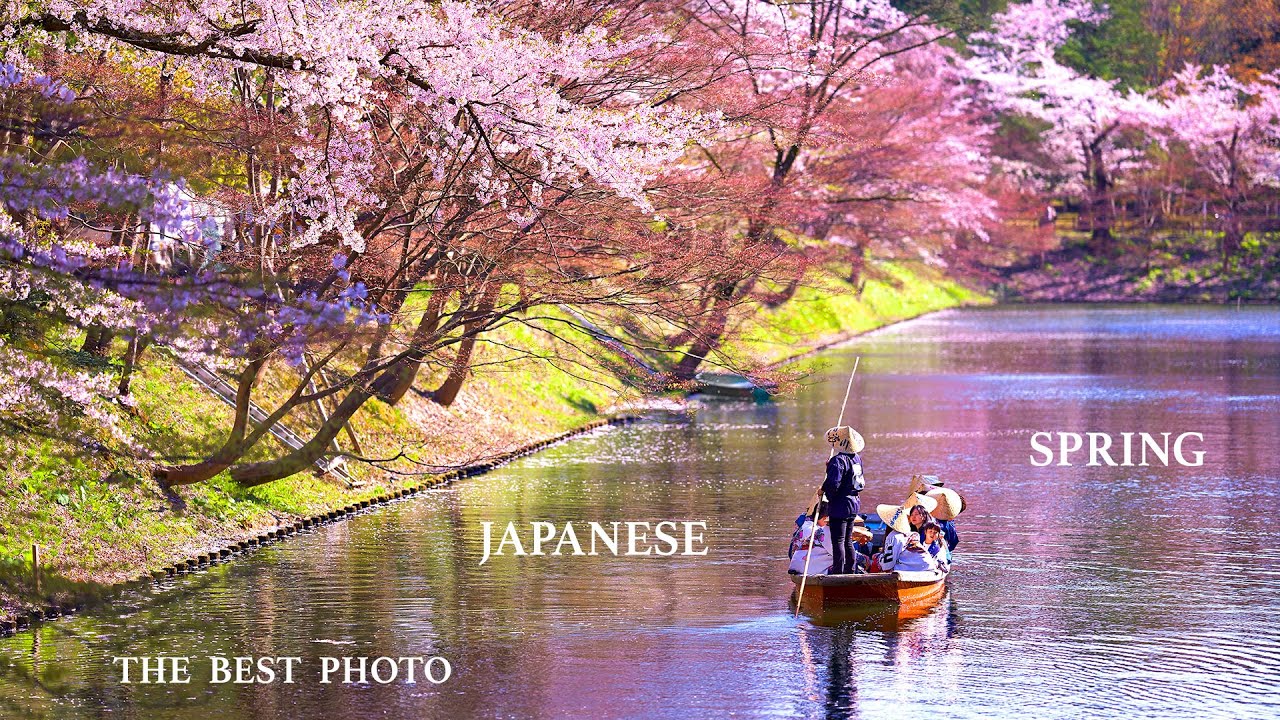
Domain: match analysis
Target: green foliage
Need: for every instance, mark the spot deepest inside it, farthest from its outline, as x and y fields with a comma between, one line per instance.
x=1123, y=47
x=964, y=16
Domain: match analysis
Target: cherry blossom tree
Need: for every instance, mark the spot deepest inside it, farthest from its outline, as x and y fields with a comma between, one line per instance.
x=917, y=180
x=1232, y=129
x=444, y=150
x=366, y=193
x=44, y=279
x=795, y=79
x=56, y=281
x=1084, y=118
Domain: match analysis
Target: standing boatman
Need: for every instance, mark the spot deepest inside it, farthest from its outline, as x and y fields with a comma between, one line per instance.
x=844, y=482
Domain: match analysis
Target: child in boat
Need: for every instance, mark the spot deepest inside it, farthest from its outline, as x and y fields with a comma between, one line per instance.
x=861, y=548
x=935, y=545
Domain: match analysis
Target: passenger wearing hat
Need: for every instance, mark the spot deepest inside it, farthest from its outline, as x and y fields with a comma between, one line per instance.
x=843, y=483
x=925, y=483
x=903, y=549
x=950, y=504
x=861, y=548
x=917, y=517
x=800, y=545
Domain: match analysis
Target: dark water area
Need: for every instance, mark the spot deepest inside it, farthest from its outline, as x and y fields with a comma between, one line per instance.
x=1135, y=592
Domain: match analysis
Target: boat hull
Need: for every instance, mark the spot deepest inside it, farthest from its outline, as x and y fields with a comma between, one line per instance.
x=905, y=588
x=728, y=385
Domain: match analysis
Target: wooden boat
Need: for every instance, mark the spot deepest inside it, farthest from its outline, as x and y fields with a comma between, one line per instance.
x=729, y=384
x=881, y=615
x=903, y=588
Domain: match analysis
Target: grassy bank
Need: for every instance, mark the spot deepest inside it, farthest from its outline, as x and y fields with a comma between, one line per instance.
x=828, y=310
x=1170, y=266
x=101, y=519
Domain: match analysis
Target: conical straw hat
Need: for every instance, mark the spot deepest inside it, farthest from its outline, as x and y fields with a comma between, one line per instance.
x=949, y=503
x=846, y=439
x=895, y=516
x=924, y=483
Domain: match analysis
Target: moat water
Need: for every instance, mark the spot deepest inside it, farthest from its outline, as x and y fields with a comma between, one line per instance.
x=1136, y=592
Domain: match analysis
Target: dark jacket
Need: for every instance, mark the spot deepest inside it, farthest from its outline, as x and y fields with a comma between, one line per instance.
x=949, y=534
x=844, y=476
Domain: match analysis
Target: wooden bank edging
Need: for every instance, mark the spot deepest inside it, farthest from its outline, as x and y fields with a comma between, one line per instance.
x=23, y=621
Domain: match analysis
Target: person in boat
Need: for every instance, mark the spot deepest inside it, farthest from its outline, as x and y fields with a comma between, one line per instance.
x=917, y=517
x=843, y=483
x=863, y=537
x=903, y=548
x=935, y=545
x=799, y=550
x=861, y=548
x=950, y=504
x=819, y=512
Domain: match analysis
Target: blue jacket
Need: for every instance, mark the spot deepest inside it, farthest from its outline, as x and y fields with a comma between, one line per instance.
x=949, y=533
x=843, y=483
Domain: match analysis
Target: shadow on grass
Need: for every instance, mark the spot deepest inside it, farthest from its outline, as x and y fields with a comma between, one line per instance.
x=583, y=404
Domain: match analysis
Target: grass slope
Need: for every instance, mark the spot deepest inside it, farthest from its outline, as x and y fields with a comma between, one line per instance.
x=828, y=309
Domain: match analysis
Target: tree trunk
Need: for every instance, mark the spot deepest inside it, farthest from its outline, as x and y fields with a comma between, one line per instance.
x=392, y=385
x=315, y=448
x=1100, y=214
x=232, y=449
x=708, y=338
x=1232, y=232
x=96, y=340
x=136, y=347
x=856, y=265
x=260, y=473
x=448, y=390
x=779, y=298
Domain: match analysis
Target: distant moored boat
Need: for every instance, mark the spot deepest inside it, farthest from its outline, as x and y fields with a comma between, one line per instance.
x=729, y=384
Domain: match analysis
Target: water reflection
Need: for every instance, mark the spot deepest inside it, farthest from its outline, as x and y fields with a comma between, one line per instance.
x=842, y=687
x=1061, y=605
x=901, y=645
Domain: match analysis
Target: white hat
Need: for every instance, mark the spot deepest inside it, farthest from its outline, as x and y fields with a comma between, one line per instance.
x=895, y=516
x=846, y=439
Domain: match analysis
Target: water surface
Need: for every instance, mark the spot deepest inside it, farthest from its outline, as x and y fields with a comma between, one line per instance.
x=1138, y=592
